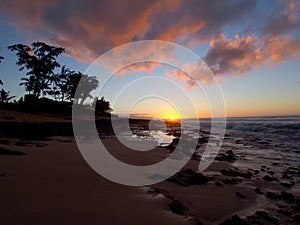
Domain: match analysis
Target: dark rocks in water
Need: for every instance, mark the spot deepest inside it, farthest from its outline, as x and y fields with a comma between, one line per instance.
x=271, y=172
x=227, y=156
x=239, y=142
x=236, y=173
x=219, y=184
x=296, y=217
x=235, y=220
x=196, y=156
x=284, y=212
x=10, y=152
x=269, y=178
x=264, y=215
x=173, y=145
x=189, y=177
x=288, y=196
x=240, y=195
x=293, y=169
x=275, y=164
x=258, y=191
x=232, y=181
x=287, y=184
x=273, y=195
x=286, y=176
x=291, y=210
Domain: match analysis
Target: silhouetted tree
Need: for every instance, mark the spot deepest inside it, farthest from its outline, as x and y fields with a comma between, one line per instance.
x=1, y=58
x=40, y=61
x=62, y=83
x=4, y=96
x=102, y=106
x=28, y=83
x=84, y=84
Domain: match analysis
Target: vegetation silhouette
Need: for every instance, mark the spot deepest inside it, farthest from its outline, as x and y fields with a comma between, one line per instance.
x=47, y=90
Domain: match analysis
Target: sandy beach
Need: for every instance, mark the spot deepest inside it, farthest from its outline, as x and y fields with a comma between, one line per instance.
x=46, y=181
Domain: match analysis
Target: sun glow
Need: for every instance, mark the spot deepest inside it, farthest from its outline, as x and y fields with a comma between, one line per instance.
x=172, y=117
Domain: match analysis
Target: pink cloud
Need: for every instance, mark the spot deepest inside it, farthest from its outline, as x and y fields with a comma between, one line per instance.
x=238, y=56
x=87, y=30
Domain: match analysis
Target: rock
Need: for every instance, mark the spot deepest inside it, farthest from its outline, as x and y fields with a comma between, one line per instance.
x=176, y=207
x=232, y=181
x=288, y=196
x=189, y=177
x=236, y=173
x=271, y=172
x=273, y=195
x=235, y=220
x=4, y=151
x=267, y=178
x=284, y=212
x=258, y=191
x=227, y=156
x=240, y=195
x=296, y=216
x=264, y=215
x=219, y=184
x=286, y=184
x=286, y=176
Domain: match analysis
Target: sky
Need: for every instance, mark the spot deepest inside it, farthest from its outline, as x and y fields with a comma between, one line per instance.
x=252, y=48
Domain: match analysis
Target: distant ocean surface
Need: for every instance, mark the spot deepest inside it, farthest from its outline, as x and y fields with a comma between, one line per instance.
x=272, y=139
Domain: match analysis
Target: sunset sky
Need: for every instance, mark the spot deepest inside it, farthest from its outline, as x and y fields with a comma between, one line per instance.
x=252, y=47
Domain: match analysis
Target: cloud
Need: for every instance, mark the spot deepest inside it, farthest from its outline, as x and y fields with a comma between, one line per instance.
x=147, y=67
x=87, y=30
x=192, y=75
x=283, y=19
x=240, y=55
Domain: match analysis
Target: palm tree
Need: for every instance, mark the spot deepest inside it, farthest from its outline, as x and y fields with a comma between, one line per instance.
x=4, y=96
x=61, y=83
x=83, y=84
x=28, y=83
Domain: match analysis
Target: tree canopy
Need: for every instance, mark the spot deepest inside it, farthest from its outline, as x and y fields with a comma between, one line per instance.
x=40, y=62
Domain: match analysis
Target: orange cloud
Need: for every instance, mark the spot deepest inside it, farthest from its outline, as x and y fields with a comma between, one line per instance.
x=89, y=29
x=238, y=56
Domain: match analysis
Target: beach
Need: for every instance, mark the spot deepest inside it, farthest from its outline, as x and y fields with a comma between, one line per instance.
x=45, y=180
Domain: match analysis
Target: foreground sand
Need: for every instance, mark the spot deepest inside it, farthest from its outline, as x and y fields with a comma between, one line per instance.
x=53, y=185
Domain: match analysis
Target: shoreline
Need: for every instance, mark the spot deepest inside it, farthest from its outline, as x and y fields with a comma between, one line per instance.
x=52, y=179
